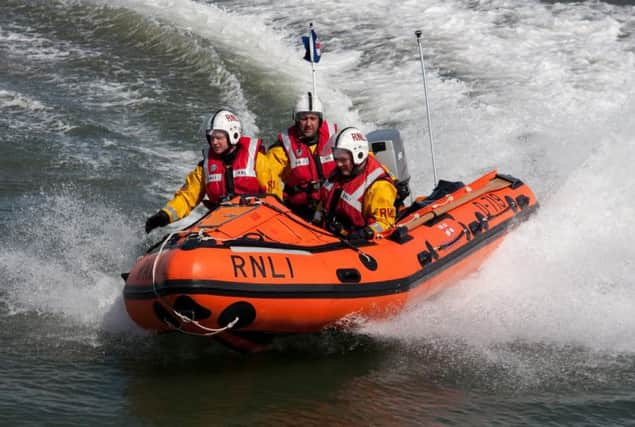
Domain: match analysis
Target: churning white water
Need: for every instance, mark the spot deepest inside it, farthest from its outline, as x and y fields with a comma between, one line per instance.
x=538, y=90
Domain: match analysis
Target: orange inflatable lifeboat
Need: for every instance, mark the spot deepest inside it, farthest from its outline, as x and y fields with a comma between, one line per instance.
x=251, y=270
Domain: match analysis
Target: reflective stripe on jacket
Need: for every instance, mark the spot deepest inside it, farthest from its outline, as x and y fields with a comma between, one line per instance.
x=301, y=167
x=244, y=171
x=193, y=190
x=365, y=200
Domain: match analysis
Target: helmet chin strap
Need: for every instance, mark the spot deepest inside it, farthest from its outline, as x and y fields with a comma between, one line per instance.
x=229, y=154
x=309, y=140
x=357, y=169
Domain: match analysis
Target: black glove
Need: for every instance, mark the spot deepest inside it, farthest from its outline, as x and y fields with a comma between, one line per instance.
x=159, y=219
x=335, y=227
x=365, y=233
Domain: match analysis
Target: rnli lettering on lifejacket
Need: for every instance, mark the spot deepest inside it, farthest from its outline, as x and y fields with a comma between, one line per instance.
x=262, y=267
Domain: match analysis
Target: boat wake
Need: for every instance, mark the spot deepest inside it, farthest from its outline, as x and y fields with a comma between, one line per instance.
x=558, y=294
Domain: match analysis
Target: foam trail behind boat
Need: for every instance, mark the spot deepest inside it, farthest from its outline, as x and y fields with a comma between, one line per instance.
x=564, y=278
x=246, y=40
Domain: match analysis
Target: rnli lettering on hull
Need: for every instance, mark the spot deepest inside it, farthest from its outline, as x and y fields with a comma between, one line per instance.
x=262, y=267
x=490, y=204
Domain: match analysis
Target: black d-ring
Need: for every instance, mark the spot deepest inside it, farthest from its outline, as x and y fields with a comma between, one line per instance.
x=253, y=236
x=368, y=261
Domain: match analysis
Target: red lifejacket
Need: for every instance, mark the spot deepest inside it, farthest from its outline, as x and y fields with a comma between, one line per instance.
x=244, y=170
x=307, y=170
x=348, y=207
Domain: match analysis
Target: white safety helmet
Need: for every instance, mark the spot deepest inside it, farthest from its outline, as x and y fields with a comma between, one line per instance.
x=352, y=140
x=226, y=121
x=307, y=103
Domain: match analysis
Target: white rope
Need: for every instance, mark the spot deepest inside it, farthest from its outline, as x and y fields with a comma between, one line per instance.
x=156, y=260
x=210, y=331
x=182, y=317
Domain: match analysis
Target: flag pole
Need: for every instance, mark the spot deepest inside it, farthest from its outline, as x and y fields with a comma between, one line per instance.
x=312, y=57
x=425, y=93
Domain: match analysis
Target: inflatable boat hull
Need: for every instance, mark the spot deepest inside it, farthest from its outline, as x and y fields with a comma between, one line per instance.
x=255, y=268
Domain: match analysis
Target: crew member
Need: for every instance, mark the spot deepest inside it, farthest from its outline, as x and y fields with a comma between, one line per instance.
x=232, y=164
x=358, y=199
x=301, y=159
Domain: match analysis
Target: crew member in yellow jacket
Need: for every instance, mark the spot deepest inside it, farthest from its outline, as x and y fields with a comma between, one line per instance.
x=232, y=164
x=358, y=200
x=301, y=159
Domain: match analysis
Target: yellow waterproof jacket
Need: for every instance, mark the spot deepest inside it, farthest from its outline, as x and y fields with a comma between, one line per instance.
x=378, y=205
x=193, y=190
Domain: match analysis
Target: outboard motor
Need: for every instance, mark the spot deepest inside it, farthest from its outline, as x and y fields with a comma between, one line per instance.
x=387, y=146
